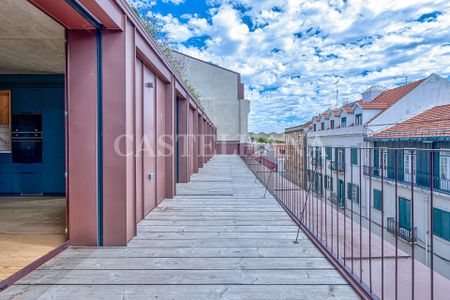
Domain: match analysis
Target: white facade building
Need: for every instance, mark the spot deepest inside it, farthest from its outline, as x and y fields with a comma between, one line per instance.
x=343, y=162
x=222, y=97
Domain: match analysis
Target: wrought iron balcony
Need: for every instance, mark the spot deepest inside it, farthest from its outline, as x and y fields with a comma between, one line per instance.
x=420, y=179
x=402, y=231
x=337, y=166
x=316, y=161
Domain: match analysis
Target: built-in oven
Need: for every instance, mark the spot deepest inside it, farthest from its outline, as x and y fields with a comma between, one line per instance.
x=26, y=138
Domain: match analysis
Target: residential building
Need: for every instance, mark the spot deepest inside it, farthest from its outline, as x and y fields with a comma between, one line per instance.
x=295, y=163
x=222, y=97
x=415, y=154
x=338, y=153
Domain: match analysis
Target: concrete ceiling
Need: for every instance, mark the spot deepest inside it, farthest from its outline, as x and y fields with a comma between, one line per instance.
x=30, y=41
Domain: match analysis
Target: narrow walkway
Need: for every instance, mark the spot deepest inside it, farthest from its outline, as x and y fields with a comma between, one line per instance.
x=219, y=238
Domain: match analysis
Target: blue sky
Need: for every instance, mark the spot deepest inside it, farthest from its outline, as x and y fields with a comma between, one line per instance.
x=291, y=53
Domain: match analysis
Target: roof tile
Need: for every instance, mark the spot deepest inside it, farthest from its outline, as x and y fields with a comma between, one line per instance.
x=434, y=122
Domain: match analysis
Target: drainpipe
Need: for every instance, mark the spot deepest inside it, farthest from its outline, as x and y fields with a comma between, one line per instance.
x=98, y=28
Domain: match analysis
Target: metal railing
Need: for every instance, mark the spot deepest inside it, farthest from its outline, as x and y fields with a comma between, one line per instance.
x=406, y=233
x=337, y=166
x=380, y=258
x=420, y=179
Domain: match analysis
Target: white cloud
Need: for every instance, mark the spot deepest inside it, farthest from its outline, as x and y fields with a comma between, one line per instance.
x=292, y=52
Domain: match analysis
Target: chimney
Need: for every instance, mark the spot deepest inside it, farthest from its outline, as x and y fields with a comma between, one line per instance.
x=372, y=92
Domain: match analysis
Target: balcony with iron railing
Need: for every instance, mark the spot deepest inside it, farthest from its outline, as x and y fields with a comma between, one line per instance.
x=337, y=166
x=317, y=161
x=403, y=232
x=419, y=179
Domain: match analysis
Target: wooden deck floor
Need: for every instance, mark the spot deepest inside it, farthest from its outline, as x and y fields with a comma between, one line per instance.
x=217, y=239
x=29, y=229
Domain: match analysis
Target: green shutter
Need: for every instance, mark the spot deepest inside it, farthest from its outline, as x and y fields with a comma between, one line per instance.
x=441, y=223
x=328, y=152
x=404, y=213
x=377, y=200
x=349, y=190
x=357, y=193
x=423, y=168
x=354, y=154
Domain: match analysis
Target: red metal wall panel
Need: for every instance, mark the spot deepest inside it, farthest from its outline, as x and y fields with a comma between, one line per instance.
x=160, y=146
x=149, y=113
x=82, y=137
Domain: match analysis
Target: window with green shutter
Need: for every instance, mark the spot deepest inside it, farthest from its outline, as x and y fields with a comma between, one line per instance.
x=354, y=154
x=328, y=152
x=404, y=213
x=349, y=191
x=441, y=223
x=377, y=200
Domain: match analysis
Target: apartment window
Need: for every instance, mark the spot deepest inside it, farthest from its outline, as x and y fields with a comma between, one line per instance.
x=383, y=163
x=328, y=182
x=441, y=223
x=315, y=127
x=377, y=200
x=353, y=192
x=322, y=126
x=354, y=156
x=343, y=122
x=404, y=213
x=358, y=119
x=445, y=171
x=328, y=151
x=409, y=159
x=332, y=124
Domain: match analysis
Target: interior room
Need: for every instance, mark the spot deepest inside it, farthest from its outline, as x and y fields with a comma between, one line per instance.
x=32, y=136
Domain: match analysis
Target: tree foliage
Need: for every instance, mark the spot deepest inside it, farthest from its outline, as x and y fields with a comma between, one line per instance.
x=166, y=46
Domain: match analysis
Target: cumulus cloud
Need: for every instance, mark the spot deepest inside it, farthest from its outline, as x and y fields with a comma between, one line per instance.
x=290, y=53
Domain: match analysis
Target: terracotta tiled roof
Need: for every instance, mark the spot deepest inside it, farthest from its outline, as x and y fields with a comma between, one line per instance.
x=434, y=122
x=326, y=116
x=348, y=108
x=389, y=97
x=336, y=112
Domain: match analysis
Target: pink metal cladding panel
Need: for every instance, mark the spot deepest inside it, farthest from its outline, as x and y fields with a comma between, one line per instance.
x=183, y=141
x=130, y=58
x=82, y=144
x=161, y=131
x=170, y=139
x=191, y=141
x=63, y=13
x=200, y=141
x=139, y=133
x=150, y=140
x=115, y=117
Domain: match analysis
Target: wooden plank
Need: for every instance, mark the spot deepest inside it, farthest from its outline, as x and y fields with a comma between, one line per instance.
x=218, y=243
x=217, y=228
x=122, y=252
x=179, y=292
x=290, y=236
x=214, y=222
x=264, y=277
x=183, y=263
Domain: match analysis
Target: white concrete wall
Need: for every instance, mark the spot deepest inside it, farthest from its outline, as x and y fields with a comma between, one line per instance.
x=434, y=91
x=218, y=89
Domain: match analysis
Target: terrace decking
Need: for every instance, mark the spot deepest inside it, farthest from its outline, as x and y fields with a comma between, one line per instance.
x=219, y=238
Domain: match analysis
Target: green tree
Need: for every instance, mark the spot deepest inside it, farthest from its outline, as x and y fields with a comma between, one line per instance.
x=154, y=27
